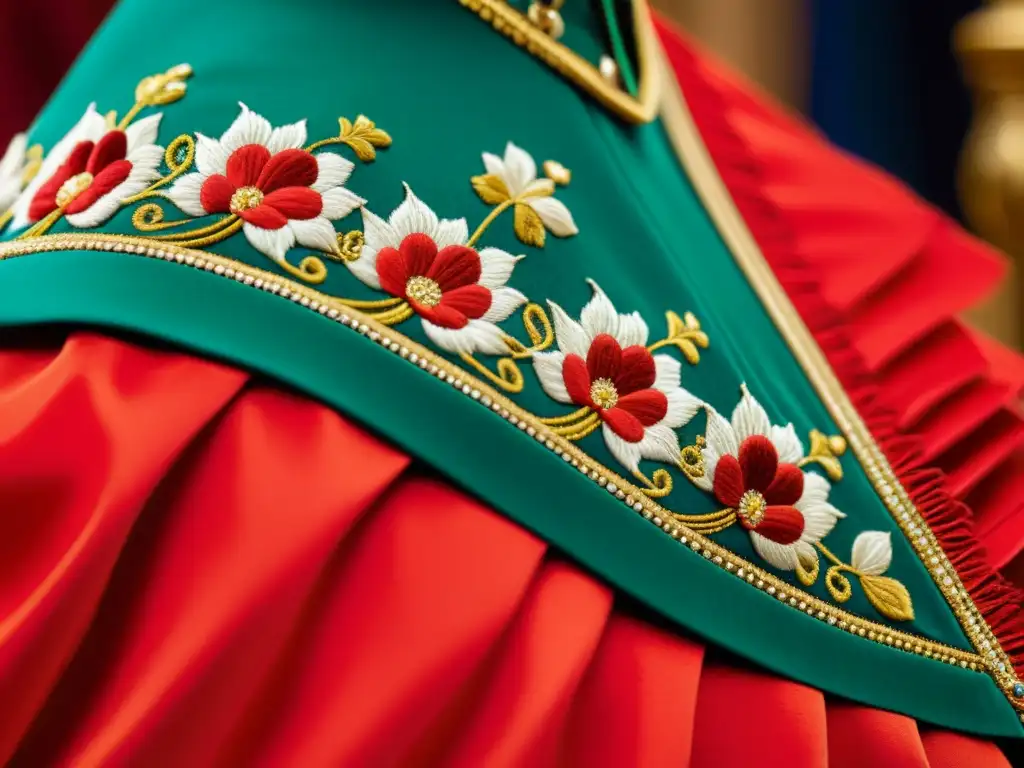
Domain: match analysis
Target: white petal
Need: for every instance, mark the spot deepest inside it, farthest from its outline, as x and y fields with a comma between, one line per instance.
x=660, y=443
x=14, y=157
x=667, y=373
x=495, y=166
x=599, y=315
x=548, y=366
x=377, y=234
x=626, y=453
x=504, y=301
x=872, y=552
x=706, y=482
x=682, y=407
x=184, y=193
x=749, y=418
x=569, y=334
x=496, y=267
x=476, y=336
x=632, y=330
x=339, y=203
x=270, y=242
x=782, y=556
x=519, y=168
x=332, y=170
x=248, y=128
x=413, y=215
x=211, y=157
x=820, y=517
x=539, y=188
x=317, y=233
x=555, y=215
x=143, y=132
x=451, y=232
x=291, y=136
x=720, y=435
x=790, y=449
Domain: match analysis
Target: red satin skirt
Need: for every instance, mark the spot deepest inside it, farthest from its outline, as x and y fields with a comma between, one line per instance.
x=198, y=568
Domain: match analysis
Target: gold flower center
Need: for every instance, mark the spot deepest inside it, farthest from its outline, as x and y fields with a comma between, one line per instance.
x=603, y=393
x=752, y=507
x=245, y=198
x=423, y=291
x=73, y=187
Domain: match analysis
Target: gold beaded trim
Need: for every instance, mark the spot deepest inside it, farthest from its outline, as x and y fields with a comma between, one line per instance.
x=434, y=364
x=524, y=33
x=698, y=164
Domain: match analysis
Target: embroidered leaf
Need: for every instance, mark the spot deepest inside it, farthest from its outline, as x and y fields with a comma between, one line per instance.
x=364, y=137
x=158, y=90
x=824, y=450
x=528, y=225
x=890, y=597
x=491, y=188
x=685, y=333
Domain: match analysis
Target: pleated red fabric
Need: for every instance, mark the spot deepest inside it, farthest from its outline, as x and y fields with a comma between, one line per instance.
x=198, y=568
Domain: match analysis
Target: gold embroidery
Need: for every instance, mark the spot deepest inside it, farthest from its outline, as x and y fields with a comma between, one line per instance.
x=518, y=28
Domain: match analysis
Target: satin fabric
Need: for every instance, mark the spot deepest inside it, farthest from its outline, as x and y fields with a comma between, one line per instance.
x=202, y=569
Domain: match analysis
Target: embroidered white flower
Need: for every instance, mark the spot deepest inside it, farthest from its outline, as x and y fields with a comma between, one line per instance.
x=283, y=194
x=12, y=171
x=517, y=172
x=603, y=364
x=459, y=292
x=90, y=171
x=751, y=466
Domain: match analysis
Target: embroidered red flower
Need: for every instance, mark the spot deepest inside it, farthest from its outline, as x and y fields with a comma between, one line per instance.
x=91, y=171
x=283, y=194
x=457, y=291
x=442, y=286
x=618, y=384
x=761, y=490
x=603, y=363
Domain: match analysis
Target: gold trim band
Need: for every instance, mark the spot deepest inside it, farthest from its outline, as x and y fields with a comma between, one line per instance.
x=699, y=166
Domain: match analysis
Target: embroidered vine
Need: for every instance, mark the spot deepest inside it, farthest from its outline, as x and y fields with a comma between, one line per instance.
x=281, y=192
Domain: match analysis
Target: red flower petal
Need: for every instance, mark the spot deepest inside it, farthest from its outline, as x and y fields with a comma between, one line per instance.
x=577, y=380
x=104, y=182
x=637, y=371
x=215, y=194
x=392, y=272
x=624, y=424
x=787, y=487
x=45, y=199
x=288, y=168
x=419, y=251
x=264, y=217
x=454, y=267
x=112, y=147
x=296, y=202
x=759, y=460
x=446, y=317
x=648, y=405
x=604, y=358
x=781, y=524
x=246, y=164
x=729, y=486
x=471, y=300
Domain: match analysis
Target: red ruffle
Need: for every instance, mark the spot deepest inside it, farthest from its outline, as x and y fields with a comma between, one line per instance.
x=879, y=277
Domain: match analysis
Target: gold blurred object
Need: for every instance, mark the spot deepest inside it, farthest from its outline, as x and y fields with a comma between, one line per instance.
x=990, y=43
x=546, y=17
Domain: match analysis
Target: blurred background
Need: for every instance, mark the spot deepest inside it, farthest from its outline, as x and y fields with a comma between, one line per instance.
x=884, y=79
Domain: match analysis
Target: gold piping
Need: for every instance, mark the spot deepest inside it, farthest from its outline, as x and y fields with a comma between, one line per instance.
x=699, y=166
x=521, y=31
x=621, y=488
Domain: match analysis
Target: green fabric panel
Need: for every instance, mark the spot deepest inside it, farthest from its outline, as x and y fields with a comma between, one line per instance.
x=224, y=320
x=643, y=236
